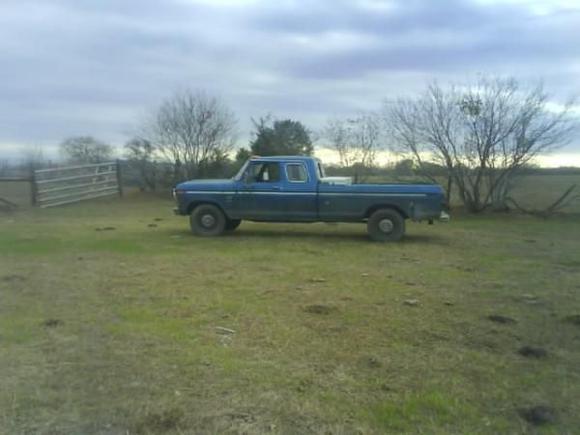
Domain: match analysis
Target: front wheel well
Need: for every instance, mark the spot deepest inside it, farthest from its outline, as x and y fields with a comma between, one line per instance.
x=192, y=205
x=374, y=208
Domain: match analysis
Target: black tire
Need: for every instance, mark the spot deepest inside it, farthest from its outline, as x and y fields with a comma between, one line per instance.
x=232, y=224
x=207, y=220
x=386, y=225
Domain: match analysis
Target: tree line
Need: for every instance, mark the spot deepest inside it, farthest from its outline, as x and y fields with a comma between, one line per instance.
x=473, y=138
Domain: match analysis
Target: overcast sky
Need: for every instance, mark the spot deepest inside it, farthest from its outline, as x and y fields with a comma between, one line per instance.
x=87, y=67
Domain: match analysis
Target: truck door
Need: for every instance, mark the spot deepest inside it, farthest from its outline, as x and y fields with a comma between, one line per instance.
x=257, y=197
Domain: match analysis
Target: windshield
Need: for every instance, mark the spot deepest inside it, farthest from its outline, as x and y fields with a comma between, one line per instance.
x=240, y=173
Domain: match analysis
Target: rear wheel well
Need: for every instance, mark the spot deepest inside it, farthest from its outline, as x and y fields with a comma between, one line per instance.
x=192, y=205
x=374, y=208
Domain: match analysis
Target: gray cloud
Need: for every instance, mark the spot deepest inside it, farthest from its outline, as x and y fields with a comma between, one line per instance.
x=84, y=67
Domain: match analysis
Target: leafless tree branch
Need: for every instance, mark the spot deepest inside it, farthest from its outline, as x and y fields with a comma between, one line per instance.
x=482, y=133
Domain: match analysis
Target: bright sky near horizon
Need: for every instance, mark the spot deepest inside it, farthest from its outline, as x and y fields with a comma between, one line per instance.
x=79, y=67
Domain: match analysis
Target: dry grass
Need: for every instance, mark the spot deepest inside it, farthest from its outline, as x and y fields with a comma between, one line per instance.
x=122, y=330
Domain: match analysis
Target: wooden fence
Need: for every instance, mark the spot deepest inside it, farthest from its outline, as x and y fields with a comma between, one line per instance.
x=59, y=186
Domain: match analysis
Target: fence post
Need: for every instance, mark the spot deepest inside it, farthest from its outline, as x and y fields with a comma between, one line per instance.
x=119, y=178
x=33, y=188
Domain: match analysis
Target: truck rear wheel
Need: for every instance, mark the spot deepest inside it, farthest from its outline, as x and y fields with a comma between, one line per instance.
x=386, y=225
x=207, y=220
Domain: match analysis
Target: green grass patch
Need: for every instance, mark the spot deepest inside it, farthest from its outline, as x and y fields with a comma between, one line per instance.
x=281, y=328
x=430, y=409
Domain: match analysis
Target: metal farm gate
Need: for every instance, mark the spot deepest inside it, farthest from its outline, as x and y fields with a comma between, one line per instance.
x=59, y=186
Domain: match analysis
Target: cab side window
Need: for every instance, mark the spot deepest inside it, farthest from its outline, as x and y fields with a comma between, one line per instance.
x=265, y=172
x=296, y=173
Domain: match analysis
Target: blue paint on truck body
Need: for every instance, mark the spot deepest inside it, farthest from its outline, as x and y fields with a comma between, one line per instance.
x=294, y=189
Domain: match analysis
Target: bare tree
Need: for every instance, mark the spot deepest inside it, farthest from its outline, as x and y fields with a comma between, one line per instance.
x=357, y=141
x=337, y=133
x=481, y=133
x=85, y=149
x=408, y=129
x=140, y=154
x=367, y=137
x=190, y=130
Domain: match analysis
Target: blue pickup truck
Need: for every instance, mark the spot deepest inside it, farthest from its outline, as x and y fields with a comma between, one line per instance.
x=295, y=189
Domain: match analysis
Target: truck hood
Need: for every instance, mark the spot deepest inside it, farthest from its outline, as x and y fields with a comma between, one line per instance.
x=225, y=184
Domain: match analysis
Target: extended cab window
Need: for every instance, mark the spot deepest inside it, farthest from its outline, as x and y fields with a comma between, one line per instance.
x=265, y=172
x=296, y=173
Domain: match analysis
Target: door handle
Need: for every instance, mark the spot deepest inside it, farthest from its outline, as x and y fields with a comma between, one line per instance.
x=275, y=187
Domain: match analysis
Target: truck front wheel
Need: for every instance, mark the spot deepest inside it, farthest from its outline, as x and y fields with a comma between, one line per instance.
x=386, y=225
x=207, y=220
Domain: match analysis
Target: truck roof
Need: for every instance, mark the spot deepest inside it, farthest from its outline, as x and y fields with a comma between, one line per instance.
x=277, y=158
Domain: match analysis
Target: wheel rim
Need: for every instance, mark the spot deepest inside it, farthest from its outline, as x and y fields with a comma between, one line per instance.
x=386, y=226
x=208, y=221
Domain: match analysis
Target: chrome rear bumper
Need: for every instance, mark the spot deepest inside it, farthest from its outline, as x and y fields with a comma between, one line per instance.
x=444, y=217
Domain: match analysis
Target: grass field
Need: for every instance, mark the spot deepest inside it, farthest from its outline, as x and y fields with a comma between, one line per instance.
x=115, y=320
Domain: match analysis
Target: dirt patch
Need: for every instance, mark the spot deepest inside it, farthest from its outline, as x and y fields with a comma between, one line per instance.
x=497, y=318
x=52, y=323
x=533, y=352
x=157, y=219
x=529, y=299
x=317, y=280
x=538, y=415
x=386, y=388
x=13, y=278
x=152, y=225
x=159, y=422
x=574, y=319
x=319, y=309
x=243, y=417
x=106, y=229
x=372, y=362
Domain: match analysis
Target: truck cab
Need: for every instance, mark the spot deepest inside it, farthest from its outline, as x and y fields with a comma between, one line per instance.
x=278, y=189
